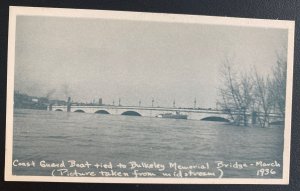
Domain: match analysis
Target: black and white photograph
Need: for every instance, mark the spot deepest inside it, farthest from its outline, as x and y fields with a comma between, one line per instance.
x=129, y=97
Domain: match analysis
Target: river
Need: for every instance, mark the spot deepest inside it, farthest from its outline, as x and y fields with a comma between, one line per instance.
x=57, y=136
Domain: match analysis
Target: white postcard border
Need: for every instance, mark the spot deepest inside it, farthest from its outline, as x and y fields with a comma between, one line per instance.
x=157, y=17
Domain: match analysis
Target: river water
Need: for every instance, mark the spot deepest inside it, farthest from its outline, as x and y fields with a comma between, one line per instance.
x=61, y=136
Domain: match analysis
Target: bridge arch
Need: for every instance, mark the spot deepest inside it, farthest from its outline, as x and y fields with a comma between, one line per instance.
x=215, y=118
x=102, y=112
x=58, y=110
x=131, y=113
x=79, y=111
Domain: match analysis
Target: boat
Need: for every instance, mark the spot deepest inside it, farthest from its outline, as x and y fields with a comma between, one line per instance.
x=172, y=116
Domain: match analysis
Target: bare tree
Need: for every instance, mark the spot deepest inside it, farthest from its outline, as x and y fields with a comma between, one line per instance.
x=246, y=95
x=264, y=99
x=278, y=86
x=236, y=94
x=259, y=95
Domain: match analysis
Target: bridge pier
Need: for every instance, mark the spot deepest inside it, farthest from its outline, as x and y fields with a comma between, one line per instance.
x=50, y=107
x=69, y=104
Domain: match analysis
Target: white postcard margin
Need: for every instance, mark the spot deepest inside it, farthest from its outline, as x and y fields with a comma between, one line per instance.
x=157, y=17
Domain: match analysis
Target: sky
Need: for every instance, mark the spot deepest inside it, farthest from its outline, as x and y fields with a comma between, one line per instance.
x=89, y=59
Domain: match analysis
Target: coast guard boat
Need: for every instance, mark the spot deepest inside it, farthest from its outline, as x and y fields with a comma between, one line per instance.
x=177, y=115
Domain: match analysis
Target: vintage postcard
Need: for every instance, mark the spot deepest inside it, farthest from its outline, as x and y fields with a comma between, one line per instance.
x=129, y=97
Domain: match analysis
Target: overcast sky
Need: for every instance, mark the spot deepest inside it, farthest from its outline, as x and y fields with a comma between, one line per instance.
x=132, y=60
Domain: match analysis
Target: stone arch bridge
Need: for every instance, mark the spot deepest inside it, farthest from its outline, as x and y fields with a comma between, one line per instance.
x=194, y=114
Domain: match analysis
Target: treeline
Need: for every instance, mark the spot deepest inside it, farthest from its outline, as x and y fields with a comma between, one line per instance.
x=24, y=101
x=245, y=96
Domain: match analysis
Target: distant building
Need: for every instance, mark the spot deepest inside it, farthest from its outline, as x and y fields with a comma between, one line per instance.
x=35, y=100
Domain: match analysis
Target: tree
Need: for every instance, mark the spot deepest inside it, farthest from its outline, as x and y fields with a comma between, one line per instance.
x=245, y=94
x=236, y=94
x=278, y=86
x=264, y=99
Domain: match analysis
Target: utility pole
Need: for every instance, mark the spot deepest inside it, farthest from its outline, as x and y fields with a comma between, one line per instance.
x=174, y=103
x=113, y=102
x=140, y=103
x=152, y=102
x=195, y=103
x=119, y=101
